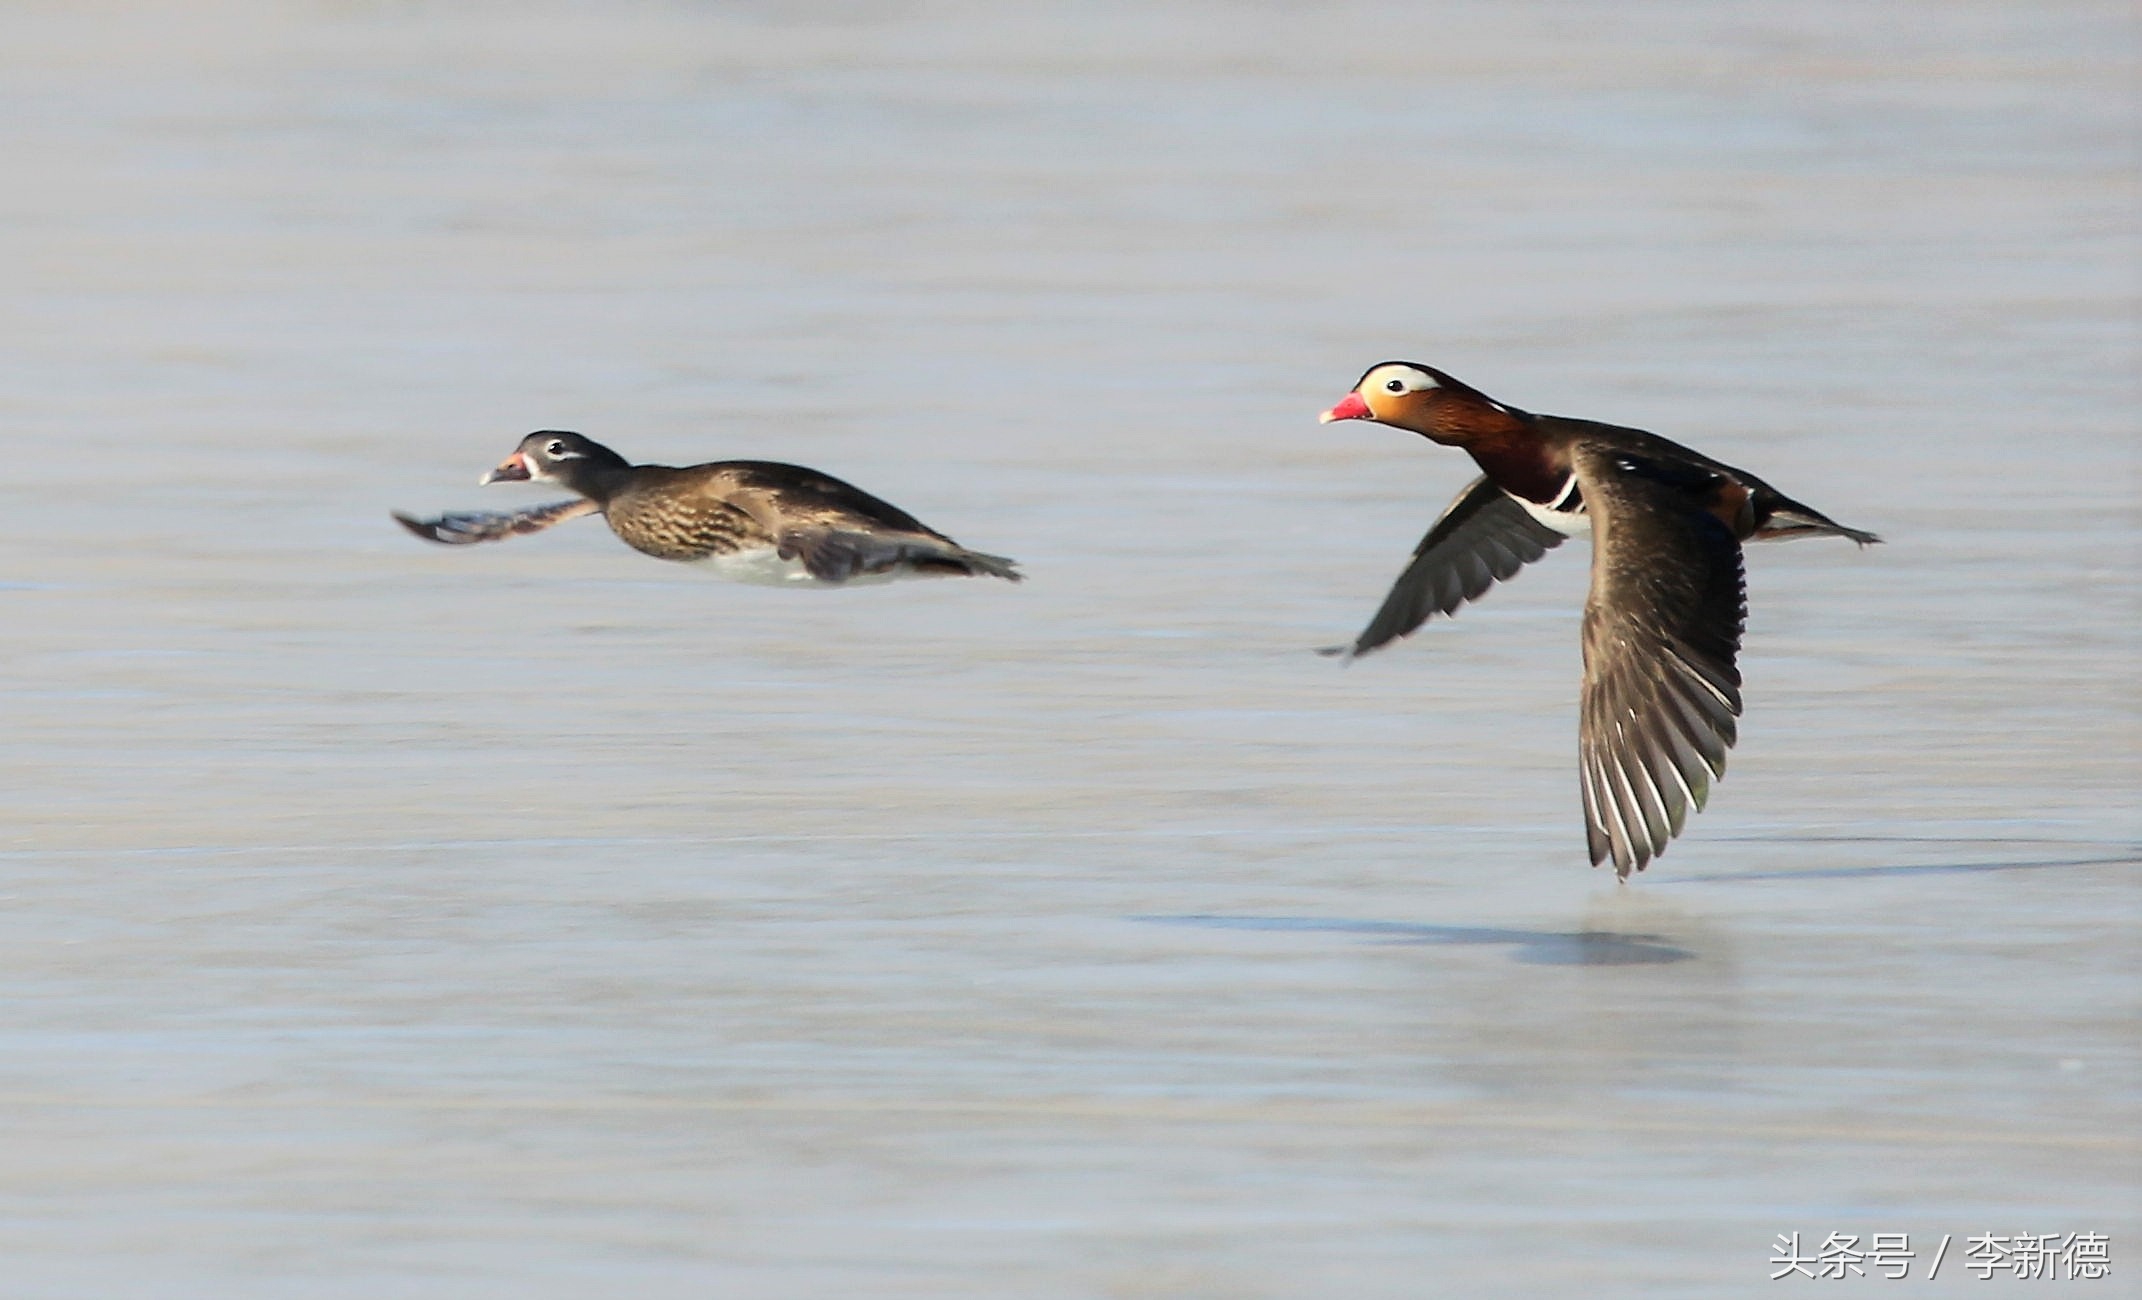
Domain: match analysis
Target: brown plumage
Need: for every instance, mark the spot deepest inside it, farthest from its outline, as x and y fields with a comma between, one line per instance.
x=1663, y=623
x=747, y=520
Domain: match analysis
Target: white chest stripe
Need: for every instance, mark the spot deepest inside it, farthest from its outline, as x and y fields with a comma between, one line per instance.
x=1569, y=523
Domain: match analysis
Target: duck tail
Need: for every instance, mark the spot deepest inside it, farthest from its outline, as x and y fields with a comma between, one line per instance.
x=1790, y=519
x=976, y=564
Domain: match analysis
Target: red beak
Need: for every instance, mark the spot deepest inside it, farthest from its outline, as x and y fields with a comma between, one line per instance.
x=511, y=470
x=1350, y=407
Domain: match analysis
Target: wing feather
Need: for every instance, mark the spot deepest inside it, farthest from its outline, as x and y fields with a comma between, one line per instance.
x=834, y=554
x=840, y=531
x=1484, y=537
x=463, y=528
x=1661, y=633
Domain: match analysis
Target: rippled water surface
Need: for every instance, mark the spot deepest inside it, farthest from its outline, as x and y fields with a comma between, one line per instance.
x=540, y=920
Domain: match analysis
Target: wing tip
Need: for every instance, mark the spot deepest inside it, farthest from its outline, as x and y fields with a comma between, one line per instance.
x=426, y=529
x=997, y=566
x=980, y=564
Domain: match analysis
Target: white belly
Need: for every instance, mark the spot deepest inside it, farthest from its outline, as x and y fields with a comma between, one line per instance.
x=1569, y=523
x=764, y=567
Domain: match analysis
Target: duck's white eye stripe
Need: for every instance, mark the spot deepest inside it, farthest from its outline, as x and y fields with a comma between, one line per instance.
x=1405, y=380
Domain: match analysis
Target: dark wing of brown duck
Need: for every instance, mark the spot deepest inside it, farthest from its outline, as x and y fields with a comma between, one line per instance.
x=840, y=531
x=1483, y=538
x=464, y=527
x=834, y=554
x=1661, y=632
x=769, y=490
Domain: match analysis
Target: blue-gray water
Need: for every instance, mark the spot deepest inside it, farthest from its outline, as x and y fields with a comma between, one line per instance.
x=541, y=921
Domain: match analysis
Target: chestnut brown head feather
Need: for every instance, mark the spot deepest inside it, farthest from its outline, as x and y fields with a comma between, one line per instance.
x=1424, y=400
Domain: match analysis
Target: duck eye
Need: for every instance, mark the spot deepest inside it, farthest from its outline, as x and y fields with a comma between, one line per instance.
x=1394, y=385
x=555, y=450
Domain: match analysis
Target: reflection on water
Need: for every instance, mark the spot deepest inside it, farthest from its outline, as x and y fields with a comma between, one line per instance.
x=1904, y=869
x=1536, y=947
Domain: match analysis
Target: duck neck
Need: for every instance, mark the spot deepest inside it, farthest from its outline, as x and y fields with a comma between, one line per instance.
x=598, y=478
x=1520, y=462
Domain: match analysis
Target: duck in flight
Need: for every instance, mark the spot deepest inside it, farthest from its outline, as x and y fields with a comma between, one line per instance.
x=1662, y=626
x=749, y=521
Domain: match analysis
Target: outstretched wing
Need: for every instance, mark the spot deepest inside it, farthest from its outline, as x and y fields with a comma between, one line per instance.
x=1484, y=537
x=1661, y=633
x=465, y=527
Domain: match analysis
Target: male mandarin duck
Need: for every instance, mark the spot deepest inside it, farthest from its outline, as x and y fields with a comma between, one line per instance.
x=1663, y=623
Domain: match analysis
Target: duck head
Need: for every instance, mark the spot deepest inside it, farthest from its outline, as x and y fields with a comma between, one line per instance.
x=556, y=456
x=1423, y=400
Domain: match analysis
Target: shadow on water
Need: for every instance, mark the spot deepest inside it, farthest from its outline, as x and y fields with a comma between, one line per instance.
x=1533, y=947
x=1924, y=869
x=1672, y=1018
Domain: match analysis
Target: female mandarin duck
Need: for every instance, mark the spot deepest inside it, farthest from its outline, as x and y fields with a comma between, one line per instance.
x=1667, y=605
x=746, y=520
